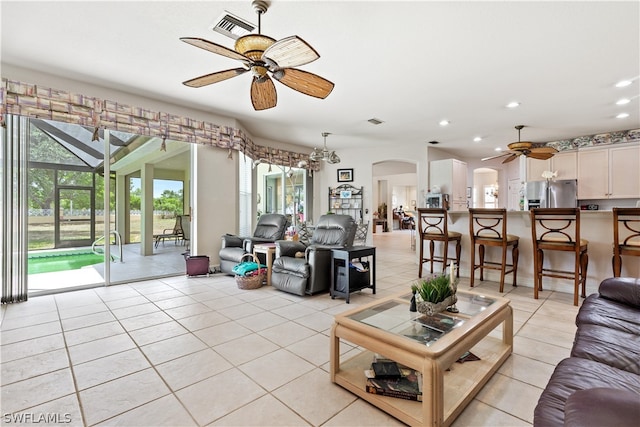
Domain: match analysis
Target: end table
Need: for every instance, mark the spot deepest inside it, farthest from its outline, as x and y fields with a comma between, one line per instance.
x=344, y=279
x=269, y=251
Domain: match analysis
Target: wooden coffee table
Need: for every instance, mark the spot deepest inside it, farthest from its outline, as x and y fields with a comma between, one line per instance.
x=388, y=328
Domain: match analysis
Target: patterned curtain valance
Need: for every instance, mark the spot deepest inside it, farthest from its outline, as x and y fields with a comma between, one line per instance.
x=30, y=100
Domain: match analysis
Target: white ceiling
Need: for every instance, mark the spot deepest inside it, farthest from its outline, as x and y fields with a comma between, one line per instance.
x=410, y=64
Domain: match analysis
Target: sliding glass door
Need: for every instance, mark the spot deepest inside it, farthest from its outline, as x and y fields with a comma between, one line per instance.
x=53, y=194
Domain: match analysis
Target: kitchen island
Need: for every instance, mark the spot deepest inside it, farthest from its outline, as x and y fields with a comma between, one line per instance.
x=595, y=226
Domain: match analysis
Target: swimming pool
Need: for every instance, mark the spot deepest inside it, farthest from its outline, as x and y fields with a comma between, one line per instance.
x=61, y=260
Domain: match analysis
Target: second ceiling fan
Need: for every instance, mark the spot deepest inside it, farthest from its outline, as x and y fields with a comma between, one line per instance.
x=524, y=148
x=263, y=55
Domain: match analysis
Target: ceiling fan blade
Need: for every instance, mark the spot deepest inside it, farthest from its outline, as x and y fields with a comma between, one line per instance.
x=550, y=150
x=540, y=156
x=290, y=52
x=215, y=48
x=214, y=77
x=263, y=93
x=304, y=82
x=497, y=157
x=510, y=158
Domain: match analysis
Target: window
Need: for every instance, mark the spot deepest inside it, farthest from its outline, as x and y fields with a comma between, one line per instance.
x=283, y=190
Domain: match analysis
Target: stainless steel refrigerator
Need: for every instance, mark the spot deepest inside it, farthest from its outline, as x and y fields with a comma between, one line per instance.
x=562, y=193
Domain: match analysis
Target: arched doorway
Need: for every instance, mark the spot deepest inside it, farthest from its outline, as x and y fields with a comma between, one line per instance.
x=486, y=191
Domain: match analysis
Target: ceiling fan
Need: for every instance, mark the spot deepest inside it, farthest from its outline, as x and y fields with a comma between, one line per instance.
x=263, y=55
x=524, y=148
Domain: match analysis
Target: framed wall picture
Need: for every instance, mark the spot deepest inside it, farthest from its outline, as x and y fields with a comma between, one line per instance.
x=345, y=175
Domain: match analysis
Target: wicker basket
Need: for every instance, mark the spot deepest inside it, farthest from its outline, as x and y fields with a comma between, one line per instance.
x=255, y=280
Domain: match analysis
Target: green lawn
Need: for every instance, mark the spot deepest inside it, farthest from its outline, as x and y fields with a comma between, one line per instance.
x=41, y=235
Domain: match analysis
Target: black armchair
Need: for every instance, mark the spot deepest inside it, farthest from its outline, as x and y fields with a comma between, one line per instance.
x=301, y=269
x=271, y=227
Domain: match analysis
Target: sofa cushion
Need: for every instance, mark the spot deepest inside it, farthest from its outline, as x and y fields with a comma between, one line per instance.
x=232, y=254
x=271, y=227
x=597, y=310
x=573, y=374
x=610, y=346
x=295, y=266
x=597, y=407
x=621, y=289
x=334, y=230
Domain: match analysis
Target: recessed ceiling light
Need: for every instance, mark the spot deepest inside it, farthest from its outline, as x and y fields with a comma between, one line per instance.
x=477, y=139
x=623, y=101
x=444, y=122
x=498, y=148
x=513, y=104
x=622, y=116
x=623, y=83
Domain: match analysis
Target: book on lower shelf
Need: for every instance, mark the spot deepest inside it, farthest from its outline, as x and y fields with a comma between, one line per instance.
x=408, y=385
x=408, y=388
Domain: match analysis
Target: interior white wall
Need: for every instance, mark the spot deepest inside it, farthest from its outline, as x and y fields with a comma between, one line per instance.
x=213, y=200
x=361, y=162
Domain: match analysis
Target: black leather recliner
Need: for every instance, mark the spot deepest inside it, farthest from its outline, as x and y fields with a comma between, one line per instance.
x=271, y=227
x=310, y=271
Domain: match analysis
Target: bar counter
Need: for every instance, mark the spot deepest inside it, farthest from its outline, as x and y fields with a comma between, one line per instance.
x=595, y=226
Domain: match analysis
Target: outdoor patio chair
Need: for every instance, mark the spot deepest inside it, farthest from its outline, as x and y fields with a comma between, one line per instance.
x=185, y=224
x=176, y=233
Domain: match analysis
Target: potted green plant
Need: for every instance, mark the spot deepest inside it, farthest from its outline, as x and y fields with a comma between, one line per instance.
x=435, y=294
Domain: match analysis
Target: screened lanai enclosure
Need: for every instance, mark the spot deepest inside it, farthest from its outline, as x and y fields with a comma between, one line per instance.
x=54, y=205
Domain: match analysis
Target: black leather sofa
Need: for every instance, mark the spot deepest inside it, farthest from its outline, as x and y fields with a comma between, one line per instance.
x=599, y=384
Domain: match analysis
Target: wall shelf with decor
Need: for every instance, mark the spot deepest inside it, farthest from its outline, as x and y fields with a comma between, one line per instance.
x=346, y=199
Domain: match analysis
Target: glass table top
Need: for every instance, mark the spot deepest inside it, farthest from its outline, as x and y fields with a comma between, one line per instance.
x=394, y=316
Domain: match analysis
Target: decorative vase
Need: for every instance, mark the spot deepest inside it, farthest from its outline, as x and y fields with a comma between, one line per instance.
x=430, y=308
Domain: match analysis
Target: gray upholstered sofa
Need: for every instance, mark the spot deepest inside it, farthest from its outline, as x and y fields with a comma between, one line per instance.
x=599, y=384
x=306, y=269
x=271, y=227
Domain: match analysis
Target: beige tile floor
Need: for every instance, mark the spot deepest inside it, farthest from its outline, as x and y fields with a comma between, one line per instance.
x=198, y=351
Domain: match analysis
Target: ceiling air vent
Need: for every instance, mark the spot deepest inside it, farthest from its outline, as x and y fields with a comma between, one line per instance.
x=375, y=121
x=232, y=26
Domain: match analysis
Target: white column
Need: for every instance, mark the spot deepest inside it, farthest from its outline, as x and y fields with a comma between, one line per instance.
x=146, y=206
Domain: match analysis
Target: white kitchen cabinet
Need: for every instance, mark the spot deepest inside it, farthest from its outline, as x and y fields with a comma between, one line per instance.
x=609, y=173
x=451, y=176
x=535, y=167
x=624, y=172
x=566, y=164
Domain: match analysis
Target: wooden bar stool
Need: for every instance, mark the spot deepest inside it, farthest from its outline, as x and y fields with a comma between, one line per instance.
x=626, y=236
x=432, y=226
x=558, y=229
x=488, y=227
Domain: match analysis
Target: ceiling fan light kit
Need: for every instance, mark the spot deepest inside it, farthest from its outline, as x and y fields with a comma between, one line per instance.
x=524, y=148
x=263, y=55
x=324, y=155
